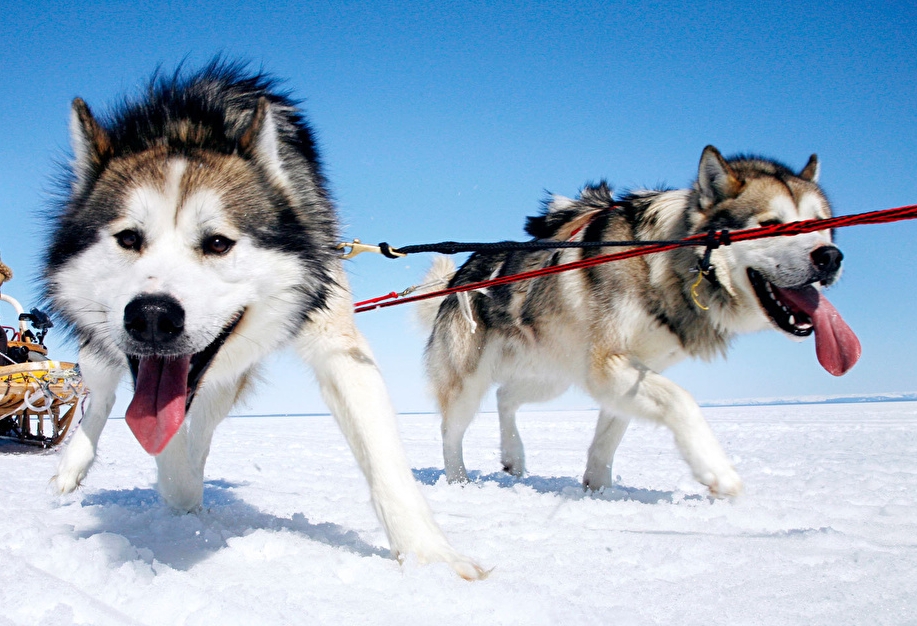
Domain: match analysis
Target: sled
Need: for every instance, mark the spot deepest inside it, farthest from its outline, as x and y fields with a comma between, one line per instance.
x=38, y=396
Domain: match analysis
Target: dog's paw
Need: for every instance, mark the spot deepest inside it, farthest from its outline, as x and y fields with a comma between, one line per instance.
x=66, y=481
x=426, y=544
x=456, y=477
x=597, y=481
x=512, y=456
x=74, y=465
x=468, y=569
x=513, y=469
x=461, y=565
x=722, y=484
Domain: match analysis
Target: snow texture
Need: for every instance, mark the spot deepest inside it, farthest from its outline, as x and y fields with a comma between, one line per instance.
x=826, y=532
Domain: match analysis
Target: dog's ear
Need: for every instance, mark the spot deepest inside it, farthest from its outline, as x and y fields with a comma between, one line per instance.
x=811, y=170
x=91, y=144
x=261, y=142
x=716, y=181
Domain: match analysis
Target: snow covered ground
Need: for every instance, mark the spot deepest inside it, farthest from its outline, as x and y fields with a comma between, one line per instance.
x=826, y=532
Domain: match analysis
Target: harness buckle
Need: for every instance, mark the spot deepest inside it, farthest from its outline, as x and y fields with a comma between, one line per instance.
x=704, y=268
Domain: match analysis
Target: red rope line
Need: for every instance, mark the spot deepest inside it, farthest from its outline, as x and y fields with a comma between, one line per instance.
x=388, y=296
x=789, y=229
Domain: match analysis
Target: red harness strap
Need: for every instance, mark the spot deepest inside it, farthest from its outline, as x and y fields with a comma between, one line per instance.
x=790, y=229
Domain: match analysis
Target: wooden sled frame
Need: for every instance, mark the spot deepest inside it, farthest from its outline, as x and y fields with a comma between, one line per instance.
x=36, y=391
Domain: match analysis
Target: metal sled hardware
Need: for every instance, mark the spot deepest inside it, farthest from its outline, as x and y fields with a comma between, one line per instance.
x=38, y=396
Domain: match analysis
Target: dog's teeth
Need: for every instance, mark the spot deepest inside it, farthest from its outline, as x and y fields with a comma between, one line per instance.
x=792, y=320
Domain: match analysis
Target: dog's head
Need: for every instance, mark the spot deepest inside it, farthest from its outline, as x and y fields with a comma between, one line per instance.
x=782, y=276
x=189, y=243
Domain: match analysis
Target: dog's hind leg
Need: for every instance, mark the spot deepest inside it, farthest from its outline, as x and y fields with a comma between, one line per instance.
x=623, y=385
x=458, y=406
x=510, y=396
x=352, y=386
x=512, y=452
x=609, y=431
x=101, y=378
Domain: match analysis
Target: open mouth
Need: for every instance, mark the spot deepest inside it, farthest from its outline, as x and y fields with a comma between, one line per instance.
x=804, y=310
x=199, y=361
x=164, y=387
x=785, y=314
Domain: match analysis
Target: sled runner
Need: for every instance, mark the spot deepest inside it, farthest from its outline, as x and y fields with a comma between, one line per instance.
x=38, y=396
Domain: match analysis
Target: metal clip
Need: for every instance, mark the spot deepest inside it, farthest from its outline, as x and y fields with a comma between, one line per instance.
x=356, y=248
x=701, y=273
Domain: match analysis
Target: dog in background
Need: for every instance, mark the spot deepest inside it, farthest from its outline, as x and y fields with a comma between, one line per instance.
x=611, y=329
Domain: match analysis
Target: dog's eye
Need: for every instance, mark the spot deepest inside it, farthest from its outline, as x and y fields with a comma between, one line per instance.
x=217, y=244
x=129, y=240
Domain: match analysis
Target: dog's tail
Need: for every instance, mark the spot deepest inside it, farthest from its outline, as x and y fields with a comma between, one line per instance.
x=437, y=277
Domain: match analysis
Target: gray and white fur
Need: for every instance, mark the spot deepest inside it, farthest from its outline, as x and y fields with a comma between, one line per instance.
x=613, y=328
x=195, y=236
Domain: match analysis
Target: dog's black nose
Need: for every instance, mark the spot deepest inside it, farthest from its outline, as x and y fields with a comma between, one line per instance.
x=827, y=259
x=154, y=319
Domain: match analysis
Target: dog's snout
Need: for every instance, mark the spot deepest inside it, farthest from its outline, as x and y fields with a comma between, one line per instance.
x=827, y=259
x=154, y=319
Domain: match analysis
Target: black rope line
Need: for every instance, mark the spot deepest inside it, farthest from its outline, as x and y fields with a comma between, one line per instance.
x=455, y=247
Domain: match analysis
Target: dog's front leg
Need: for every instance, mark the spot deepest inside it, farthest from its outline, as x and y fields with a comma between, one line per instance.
x=181, y=464
x=624, y=386
x=101, y=379
x=354, y=391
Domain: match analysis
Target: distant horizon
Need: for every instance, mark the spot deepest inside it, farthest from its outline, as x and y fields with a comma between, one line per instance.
x=906, y=396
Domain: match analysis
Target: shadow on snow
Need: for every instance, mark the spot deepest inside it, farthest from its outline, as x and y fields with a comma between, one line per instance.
x=182, y=540
x=563, y=486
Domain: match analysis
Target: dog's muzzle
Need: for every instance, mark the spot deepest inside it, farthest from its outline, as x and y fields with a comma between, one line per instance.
x=802, y=310
x=827, y=263
x=155, y=322
x=166, y=375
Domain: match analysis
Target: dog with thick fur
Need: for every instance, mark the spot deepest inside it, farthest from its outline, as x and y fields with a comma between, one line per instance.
x=197, y=236
x=611, y=329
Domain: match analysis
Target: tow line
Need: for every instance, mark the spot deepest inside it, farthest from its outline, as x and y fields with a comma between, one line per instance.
x=709, y=240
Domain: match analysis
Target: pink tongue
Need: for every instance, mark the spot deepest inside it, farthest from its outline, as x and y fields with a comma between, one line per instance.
x=158, y=408
x=836, y=345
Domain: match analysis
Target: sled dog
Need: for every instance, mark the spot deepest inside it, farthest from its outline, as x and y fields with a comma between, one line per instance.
x=197, y=236
x=612, y=328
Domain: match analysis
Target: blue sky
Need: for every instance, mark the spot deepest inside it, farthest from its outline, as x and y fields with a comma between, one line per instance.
x=450, y=120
